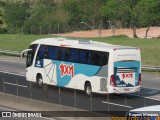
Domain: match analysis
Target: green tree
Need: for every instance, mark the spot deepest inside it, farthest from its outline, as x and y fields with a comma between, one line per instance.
x=35, y=20
x=84, y=11
x=52, y=16
x=15, y=14
x=122, y=10
x=149, y=13
x=46, y=17
x=2, y=22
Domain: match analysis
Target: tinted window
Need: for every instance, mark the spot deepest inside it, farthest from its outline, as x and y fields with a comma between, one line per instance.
x=52, y=52
x=96, y=59
x=104, y=58
x=29, y=59
x=63, y=54
x=30, y=55
x=42, y=52
x=33, y=47
x=85, y=56
x=73, y=55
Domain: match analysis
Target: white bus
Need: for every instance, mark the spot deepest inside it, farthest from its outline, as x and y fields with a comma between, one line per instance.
x=84, y=65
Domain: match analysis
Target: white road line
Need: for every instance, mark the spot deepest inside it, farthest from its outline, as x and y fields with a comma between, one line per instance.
x=12, y=73
x=156, y=78
x=146, y=75
x=116, y=104
x=16, y=84
x=7, y=109
x=145, y=97
x=156, y=97
x=13, y=61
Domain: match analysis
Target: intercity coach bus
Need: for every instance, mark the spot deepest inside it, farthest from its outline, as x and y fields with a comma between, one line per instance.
x=84, y=65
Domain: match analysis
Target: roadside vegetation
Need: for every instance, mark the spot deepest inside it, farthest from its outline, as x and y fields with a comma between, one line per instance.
x=18, y=42
x=60, y=16
x=149, y=47
x=23, y=21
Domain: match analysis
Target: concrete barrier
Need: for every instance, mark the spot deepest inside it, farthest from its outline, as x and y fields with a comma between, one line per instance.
x=25, y=104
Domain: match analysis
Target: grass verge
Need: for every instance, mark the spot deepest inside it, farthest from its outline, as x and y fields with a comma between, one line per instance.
x=149, y=47
x=18, y=42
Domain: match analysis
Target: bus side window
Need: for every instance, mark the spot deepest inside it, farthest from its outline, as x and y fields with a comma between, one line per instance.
x=104, y=58
x=73, y=55
x=52, y=52
x=96, y=58
x=42, y=52
x=46, y=52
x=82, y=56
x=64, y=53
x=85, y=56
x=88, y=57
x=76, y=55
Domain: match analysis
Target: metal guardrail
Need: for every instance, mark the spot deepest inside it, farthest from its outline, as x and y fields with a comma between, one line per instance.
x=144, y=67
x=17, y=53
x=150, y=67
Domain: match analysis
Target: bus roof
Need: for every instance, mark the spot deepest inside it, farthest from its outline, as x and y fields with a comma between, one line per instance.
x=78, y=43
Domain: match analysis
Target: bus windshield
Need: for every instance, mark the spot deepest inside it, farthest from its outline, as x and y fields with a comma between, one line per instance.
x=30, y=55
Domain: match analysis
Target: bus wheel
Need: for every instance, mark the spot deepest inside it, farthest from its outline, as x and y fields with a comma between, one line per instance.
x=88, y=89
x=40, y=80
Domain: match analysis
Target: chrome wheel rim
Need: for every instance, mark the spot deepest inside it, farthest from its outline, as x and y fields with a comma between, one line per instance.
x=88, y=90
x=40, y=82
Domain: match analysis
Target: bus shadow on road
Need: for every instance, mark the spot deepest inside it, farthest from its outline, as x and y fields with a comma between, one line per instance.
x=148, y=92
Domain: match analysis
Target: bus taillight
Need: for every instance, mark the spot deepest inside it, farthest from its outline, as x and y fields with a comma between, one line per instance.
x=112, y=81
x=139, y=79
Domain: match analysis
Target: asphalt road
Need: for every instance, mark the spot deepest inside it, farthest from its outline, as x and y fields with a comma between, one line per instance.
x=12, y=64
x=115, y=104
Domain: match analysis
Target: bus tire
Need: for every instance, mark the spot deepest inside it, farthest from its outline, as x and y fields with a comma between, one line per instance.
x=88, y=89
x=39, y=80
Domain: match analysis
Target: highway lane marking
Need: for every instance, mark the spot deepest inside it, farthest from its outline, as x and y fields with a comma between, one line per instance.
x=145, y=97
x=16, y=84
x=156, y=78
x=156, y=97
x=7, y=72
x=104, y=101
x=116, y=104
x=7, y=108
x=13, y=61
